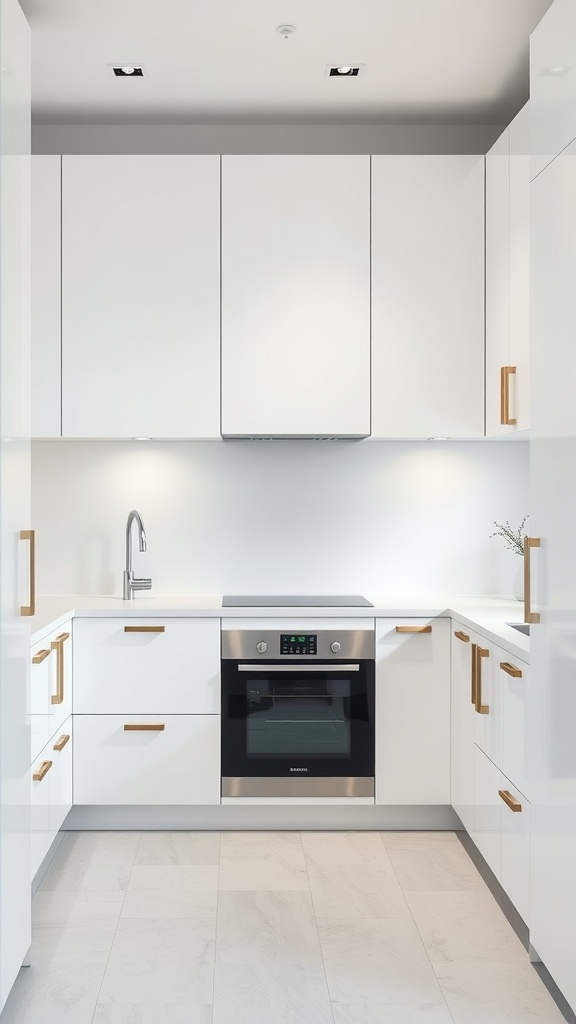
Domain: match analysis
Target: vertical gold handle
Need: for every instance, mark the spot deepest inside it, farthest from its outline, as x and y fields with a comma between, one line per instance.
x=58, y=646
x=505, y=373
x=482, y=709
x=30, y=609
x=529, y=615
x=474, y=672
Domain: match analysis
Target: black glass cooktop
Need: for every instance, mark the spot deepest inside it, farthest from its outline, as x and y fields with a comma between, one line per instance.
x=295, y=601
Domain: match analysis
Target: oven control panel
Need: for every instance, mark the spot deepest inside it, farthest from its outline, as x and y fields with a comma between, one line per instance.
x=294, y=643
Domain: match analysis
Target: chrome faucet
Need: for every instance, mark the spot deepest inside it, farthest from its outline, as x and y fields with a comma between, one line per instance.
x=131, y=584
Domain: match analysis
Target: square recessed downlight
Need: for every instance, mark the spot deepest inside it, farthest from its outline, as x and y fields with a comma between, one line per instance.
x=127, y=70
x=343, y=70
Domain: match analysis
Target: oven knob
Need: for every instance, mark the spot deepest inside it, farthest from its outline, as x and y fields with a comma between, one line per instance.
x=262, y=647
x=335, y=647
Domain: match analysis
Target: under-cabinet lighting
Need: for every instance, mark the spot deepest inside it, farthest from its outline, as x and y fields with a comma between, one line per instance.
x=557, y=70
x=141, y=438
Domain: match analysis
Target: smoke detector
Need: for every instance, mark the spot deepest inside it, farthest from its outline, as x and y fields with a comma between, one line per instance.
x=286, y=31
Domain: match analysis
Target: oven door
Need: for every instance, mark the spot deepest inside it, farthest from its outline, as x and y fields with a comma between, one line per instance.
x=297, y=721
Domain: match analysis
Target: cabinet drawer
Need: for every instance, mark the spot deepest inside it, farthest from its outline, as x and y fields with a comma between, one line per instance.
x=147, y=666
x=50, y=686
x=61, y=776
x=488, y=716
x=515, y=824
x=165, y=759
x=413, y=711
x=40, y=834
x=514, y=683
x=487, y=811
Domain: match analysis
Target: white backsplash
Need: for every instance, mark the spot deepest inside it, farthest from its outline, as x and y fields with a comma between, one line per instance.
x=372, y=517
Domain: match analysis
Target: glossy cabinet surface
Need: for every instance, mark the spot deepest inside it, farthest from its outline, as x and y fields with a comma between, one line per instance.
x=552, y=708
x=552, y=93
x=51, y=792
x=140, y=296
x=427, y=296
x=46, y=296
x=14, y=492
x=296, y=296
x=413, y=711
x=145, y=666
x=462, y=725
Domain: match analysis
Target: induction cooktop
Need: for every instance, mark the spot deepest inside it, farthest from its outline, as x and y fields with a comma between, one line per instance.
x=295, y=601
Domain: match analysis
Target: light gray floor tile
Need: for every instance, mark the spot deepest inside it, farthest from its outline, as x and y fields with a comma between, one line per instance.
x=267, y=928
x=395, y=839
x=377, y=961
x=464, y=927
x=97, y=861
x=344, y=848
x=179, y=848
x=54, y=941
x=160, y=962
x=138, y=1014
x=56, y=991
x=425, y=866
x=169, y=890
x=391, y=1013
x=232, y=841
x=269, y=994
x=263, y=866
x=497, y=993
x=357, y=891
x=72, y=909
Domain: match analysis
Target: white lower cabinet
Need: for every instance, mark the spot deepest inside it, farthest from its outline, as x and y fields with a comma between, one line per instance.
x=502, y=831
x=413, y=711
x=50, y=686
x=462, y=728
x=141, y=759
x=51, y=792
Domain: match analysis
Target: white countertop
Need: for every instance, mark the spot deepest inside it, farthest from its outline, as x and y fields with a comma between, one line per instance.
x=485, y=615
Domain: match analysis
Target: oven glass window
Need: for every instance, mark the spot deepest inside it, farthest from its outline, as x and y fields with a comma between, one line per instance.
x=305, y=717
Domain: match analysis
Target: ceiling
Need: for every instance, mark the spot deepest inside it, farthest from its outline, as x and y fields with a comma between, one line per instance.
x=221, y=61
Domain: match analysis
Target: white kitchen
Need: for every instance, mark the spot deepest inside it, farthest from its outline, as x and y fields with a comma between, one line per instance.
x=287, y=453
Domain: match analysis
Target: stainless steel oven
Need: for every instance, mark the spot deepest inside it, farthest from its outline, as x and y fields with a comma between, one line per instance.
x=298, y=713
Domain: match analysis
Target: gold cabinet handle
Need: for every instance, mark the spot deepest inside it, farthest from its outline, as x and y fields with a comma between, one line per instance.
x=473, y=673
x=39, y=657
x=509, y=800
x=145, y=728
x=505, y=373
x=61, y=743
x=529, y=615
x=482, y=709
x=462, y=636
x=144, y=629
x=57, y=645
x=413, y=629
x=30, y=536
x=511, y=670
x=42, y=771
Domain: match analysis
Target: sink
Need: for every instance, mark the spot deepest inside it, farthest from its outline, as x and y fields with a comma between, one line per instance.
x=522, y=627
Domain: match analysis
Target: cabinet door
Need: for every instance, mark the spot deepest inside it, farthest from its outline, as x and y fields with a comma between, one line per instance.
x=14, y=492
x=520, y=266
x=40, y=834
x=140, y=296
x=137, y=759
x=515, y=825
x=413, y=711
x=497, y=280
x=552, y=95
x=296, y=295
x=40, y=708
x=487, y=811
x=488, y=716
x=514, y=685
x=427, y=296
x=61, y=777
x=146, y=666
x=46, y=296
x=462, y=727
x=61, y=683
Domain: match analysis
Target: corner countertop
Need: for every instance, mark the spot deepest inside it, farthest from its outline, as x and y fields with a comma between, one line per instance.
x=488, y=616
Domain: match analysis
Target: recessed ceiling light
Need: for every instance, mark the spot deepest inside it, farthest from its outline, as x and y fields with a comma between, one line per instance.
x=141, y=438
x=128, y=70
x=557, y=70
x=343, y=70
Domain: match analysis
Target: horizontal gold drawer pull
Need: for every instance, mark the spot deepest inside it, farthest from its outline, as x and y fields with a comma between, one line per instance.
x=462, y=636
x=60, y=639
x=145, y=728
x=42, y=771
x=144, y=629
x=509, y=800
x=413, y=629
x=40, y=657
x=511, y=670
x=61, y=743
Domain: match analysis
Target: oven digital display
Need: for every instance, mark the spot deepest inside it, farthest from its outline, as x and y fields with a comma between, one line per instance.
x=294, y=643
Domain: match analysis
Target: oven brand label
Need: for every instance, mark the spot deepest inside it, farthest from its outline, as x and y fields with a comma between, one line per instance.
x=298, y=769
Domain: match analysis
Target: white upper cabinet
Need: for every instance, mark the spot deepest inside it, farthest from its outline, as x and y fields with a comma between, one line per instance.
x=46, y=298
x=552, y=84
x=427, y=296
x=296, y=296
x=140, y=296
x=507, y=279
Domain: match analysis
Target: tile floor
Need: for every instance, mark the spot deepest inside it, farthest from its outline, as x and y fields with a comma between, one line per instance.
x=272, y=928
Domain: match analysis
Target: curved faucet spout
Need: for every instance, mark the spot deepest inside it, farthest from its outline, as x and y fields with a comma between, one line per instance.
x=129, y=583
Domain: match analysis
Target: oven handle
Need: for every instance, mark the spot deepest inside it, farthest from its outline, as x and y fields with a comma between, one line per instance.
x=298, y=668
